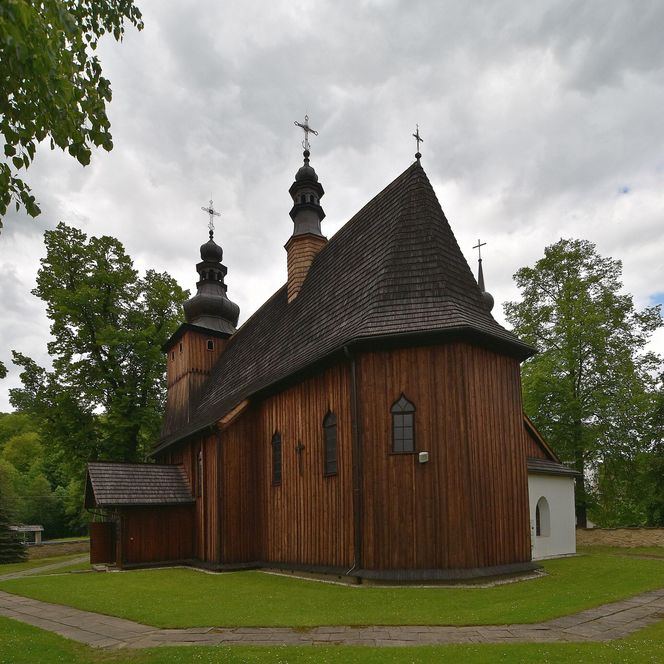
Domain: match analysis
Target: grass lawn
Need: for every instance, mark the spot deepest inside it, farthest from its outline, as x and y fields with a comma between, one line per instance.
x=8, y=568
x=23, y=644
x=188, y=598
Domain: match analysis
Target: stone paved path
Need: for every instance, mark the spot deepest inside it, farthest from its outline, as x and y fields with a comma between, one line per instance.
x=44, y=569
x=611, y=621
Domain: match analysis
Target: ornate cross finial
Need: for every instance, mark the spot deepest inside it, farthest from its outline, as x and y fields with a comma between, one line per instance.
x=307, y=130
x=479, y=246
x=419, y=140
x=213, y=213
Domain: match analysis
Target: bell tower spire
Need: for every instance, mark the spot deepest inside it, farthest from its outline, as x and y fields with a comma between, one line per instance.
x=307, y=214
x=210, y=307
x=487, y=298
x=210, y=319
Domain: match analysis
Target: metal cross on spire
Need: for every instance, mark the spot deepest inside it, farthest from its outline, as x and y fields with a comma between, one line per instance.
x=479, y=246
x=213, y=213
x=307, y=130
x=419, y=140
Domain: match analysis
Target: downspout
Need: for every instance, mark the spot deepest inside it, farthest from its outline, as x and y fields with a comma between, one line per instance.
x=356, y=464
x=219, y=496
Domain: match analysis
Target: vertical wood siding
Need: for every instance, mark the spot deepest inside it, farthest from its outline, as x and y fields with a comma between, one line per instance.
x=308, y=518
x=155, y=534
x=186, y=373
x=468, y=506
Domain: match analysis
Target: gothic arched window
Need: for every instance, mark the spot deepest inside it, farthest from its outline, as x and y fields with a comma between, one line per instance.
x=403, y=426
x=276, y=458
x=330, y=435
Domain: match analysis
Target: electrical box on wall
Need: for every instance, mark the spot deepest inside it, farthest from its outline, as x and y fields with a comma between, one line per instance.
x=423, y=457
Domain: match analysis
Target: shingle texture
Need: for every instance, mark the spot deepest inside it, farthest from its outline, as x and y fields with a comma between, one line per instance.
x=546, y=467
x=394, y=269
x=126, y=484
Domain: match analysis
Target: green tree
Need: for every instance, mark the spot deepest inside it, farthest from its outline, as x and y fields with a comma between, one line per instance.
x=11, y=548
x=23, y=450
x=52, y=83
x=3, y=370
x=591, y=387
x=104, y=397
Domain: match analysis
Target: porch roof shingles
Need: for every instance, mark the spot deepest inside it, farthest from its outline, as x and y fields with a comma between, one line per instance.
x=136, y=484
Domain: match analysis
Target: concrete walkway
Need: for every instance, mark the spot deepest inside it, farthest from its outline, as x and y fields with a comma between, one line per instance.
x=611, y=621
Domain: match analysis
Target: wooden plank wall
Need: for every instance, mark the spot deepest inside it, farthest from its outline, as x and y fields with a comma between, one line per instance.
x=153, y=534
x=188, y=365
x=206, y=517
x=242, y=491
x=531, y=447
x=468, y=506
x=308, y=518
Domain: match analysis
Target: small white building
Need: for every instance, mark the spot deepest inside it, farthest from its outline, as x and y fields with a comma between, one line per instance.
x=551, y=499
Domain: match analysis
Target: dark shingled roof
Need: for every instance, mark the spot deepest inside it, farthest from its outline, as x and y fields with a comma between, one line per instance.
x=394, y=270
x=546, y=467
x=131, y=484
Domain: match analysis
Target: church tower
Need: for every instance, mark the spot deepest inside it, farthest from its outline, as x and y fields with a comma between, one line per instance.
x=307, y=239
x=210, y=319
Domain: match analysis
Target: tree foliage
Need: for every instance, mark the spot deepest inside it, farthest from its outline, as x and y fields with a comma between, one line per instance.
x=52, y=83
x=11, y=548
x=591, y=389
x=104, y=396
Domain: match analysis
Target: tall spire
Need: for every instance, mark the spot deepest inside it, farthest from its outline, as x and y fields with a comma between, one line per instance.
x=307, y=238
x=210, y=307
x=486, y=296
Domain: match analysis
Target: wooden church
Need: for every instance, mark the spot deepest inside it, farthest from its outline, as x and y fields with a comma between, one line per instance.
x=366, y=421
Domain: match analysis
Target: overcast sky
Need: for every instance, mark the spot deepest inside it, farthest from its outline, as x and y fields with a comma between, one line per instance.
x=540, y=120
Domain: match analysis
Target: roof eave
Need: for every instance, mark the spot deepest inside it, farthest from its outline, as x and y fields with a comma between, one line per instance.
x=184, y=327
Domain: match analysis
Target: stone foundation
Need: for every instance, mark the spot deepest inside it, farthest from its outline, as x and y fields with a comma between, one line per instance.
x=620, y=536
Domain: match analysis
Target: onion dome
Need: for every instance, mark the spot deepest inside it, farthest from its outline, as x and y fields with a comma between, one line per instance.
x=306, y=193
x=210, y=307
x=211, y=251
x=306, y=172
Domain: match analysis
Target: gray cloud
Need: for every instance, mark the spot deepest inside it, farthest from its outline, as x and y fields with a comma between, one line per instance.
x=535, y=117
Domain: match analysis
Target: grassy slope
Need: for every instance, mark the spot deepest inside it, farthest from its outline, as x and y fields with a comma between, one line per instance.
x=8, y=568
x=22, y=644
x=254, y=598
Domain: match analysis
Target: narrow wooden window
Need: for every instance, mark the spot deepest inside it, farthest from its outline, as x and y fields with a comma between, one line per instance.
x=210, y=344
x=276, y=459
x=172, y=355
x=330, y=435
x=403, y=426
x=180, y=347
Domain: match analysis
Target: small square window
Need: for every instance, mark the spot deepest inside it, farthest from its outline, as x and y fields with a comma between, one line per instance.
x=210, y=344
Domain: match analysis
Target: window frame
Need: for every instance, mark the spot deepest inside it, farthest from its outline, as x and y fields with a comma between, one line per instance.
x=403, y=410
x=277, y=459
x=329, y=426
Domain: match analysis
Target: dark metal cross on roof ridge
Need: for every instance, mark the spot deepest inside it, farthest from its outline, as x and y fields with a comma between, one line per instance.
x=213, y=213
x=307, y=130
x=479, y=246
x=419, y=140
